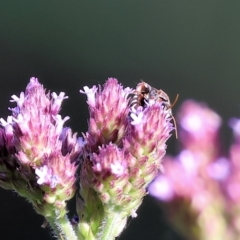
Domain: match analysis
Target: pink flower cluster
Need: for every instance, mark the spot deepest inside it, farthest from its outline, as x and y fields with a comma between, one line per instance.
x=37, y=155
x=200, y=187
x=123, y=150
x=131, y=133
x=119, y=155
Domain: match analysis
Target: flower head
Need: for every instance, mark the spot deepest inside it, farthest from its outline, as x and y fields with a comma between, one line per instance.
x=123, y=151
x=45, y=154
x=199, y=186
x=198, y=119
x=108, y=108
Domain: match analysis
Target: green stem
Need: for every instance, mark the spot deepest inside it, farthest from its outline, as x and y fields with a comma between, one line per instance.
x=55, y=229
x=112, y=226
x=62, y=228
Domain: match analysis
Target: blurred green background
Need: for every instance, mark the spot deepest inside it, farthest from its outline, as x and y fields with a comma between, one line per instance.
x=186, y=47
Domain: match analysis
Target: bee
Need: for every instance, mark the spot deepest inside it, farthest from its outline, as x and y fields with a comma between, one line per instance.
x=145, y=93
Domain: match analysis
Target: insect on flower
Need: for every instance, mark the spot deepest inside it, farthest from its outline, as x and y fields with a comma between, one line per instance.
x=144, y=93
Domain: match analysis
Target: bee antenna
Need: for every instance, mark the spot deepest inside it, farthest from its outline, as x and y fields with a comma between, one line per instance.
x=176, y=98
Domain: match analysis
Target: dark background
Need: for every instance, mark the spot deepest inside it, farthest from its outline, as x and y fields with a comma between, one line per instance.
x=186, y=47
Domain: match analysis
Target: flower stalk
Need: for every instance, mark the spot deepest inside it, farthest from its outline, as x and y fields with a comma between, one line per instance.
x=62, y=228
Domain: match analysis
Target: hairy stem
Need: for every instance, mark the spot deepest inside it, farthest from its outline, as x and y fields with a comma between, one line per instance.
x=113, y=225
x=62, y=228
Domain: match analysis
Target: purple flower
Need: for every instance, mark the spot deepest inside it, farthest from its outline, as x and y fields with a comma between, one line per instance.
x=123, y=151
x=161, y=188
x=45, y=176
x=219, y=169
x=45, y=153
x=200, y=186
x=198, y=123
x=108, y=108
